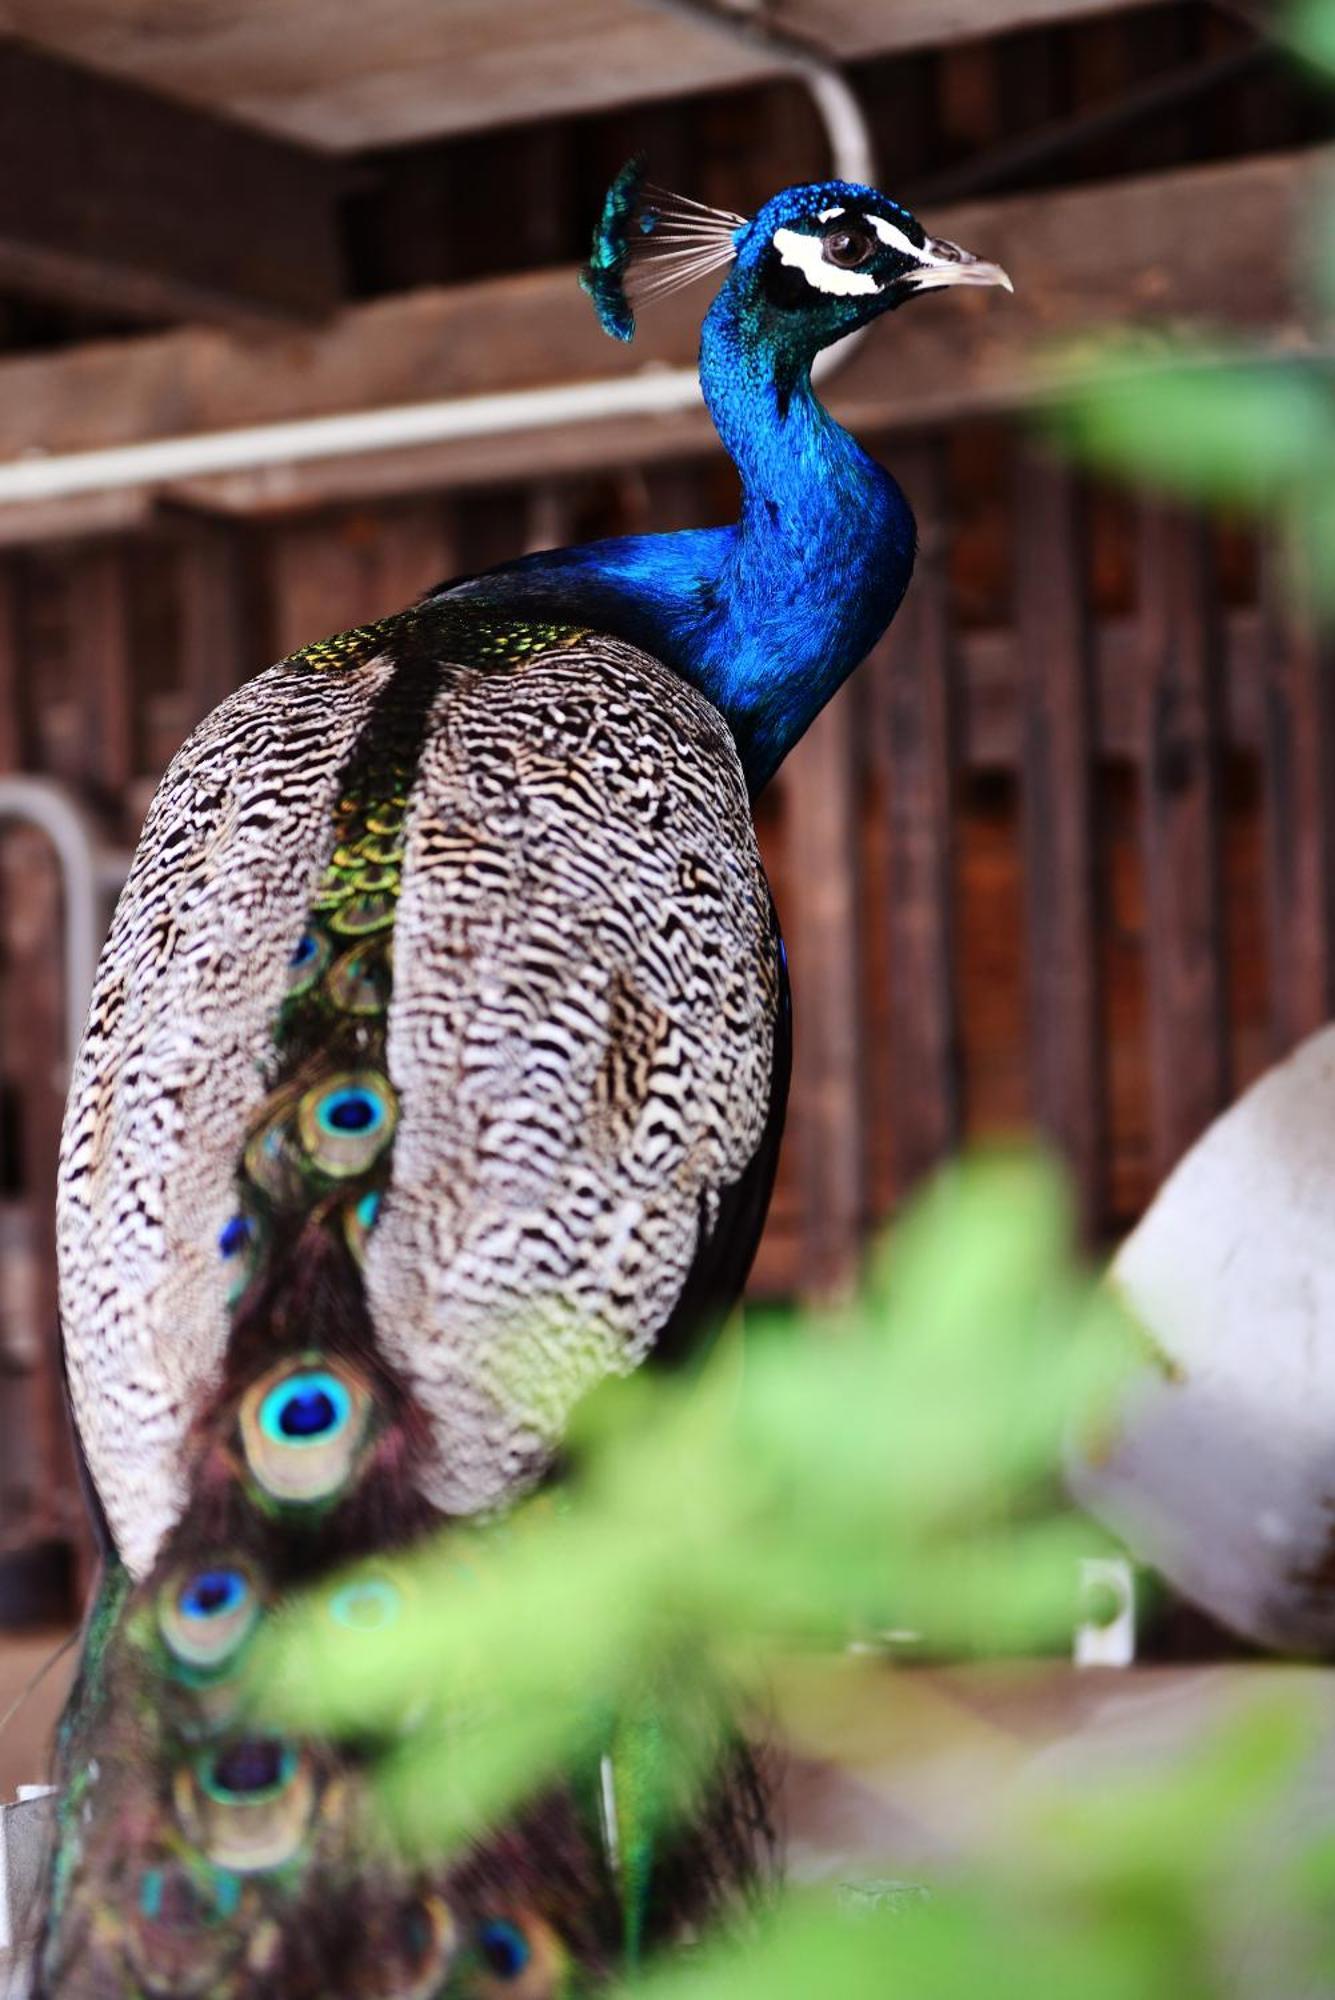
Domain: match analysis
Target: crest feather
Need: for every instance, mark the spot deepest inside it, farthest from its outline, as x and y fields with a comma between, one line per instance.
x=649, y=242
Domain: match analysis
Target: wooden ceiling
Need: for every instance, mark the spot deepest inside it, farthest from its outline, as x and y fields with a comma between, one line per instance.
x=345, y=75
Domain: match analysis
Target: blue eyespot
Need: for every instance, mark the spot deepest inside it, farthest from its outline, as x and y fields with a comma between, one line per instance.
x=252, y=1767
x=307, y=1408
x=368, y=1208
x=234, y=1235
x=305, y=951
x=346, y=1122
x=350, y=1111
x=504, y=1947
x=213, y=1593
x=367, y=1605
x=206, y=1616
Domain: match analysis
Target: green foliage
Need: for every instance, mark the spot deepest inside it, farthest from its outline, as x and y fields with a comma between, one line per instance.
x=893, y=1464
x=1204, y=424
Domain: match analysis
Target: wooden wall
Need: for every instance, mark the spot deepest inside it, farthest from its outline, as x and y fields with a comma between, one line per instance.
x=1055, y=860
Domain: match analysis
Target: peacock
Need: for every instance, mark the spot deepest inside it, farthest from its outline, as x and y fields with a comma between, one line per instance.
x=435, y=1071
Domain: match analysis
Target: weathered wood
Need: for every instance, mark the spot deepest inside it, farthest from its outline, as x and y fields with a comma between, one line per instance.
x=215, y=638
x=329, y=574
x=34, y=1060
x=344, y=75
x=11, y=674
x=1179, y=690
x=102, y=671
x=1055, y=668
x=148, y=207
x=913, y=722
x=1138, y=251
x=821, y=917
x=1298, y=744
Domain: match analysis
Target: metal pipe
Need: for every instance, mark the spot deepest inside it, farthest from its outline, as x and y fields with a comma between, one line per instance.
x=46, y=805
x=655, y=391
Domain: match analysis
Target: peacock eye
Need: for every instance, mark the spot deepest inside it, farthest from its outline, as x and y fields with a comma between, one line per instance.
x=848, y=247
x=505, y=1949
x=207, y=1615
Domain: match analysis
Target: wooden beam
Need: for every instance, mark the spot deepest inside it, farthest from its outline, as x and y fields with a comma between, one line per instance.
x=913, y=698
x=1121, y=254
x=1179, y=687
x=821, y=917
x=345, y=75
x=116, y=198
x=1056, y=679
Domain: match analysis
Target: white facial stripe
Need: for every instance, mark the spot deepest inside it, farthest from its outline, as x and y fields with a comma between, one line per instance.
x=891, y=233
x=803, y=253
x=828, y=214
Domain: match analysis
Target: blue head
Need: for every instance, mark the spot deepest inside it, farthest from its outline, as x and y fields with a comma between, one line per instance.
x=768, y=616
x=817, y=262
x=820, y=261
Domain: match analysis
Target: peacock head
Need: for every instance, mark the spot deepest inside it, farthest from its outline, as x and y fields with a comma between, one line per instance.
x=814, y=264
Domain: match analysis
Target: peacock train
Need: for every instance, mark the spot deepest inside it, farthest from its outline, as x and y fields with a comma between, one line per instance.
x=435, y=1071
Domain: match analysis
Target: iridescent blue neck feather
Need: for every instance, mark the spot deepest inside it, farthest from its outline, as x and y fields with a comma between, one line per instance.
x=769, y=616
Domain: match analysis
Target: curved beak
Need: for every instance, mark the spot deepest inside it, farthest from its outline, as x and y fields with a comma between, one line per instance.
x=944, y=263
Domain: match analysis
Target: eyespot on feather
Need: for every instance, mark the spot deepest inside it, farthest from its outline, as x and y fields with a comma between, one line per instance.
x=369, y=1603
x=359, y=982
x=308, y=961
x=408, y=1953
x=517, y=1956
x=182, y=1933
x=248, y=1804
x=359, y=1219
x=346, y=1122
x=205, y=1616
x=302, y=1426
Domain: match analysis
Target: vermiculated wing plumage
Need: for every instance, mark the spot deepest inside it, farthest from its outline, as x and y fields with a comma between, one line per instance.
x=435, y=1069
x=580, y=1032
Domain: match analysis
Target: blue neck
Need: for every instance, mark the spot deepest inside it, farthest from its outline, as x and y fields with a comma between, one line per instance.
x=767, y=617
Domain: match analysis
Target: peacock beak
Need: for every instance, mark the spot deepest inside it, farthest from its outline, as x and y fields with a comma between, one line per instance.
x=944, y=263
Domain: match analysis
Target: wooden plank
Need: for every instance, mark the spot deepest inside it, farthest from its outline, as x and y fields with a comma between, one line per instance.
x=1298, y=751
x=1055, y=664
x=1128, y=252
x=912, y=726
x=1179, y=691
x=35, y=1062
x=329, y=574
x=102, y=672
x=12, y=732
x=821, y=919
x=147, y=207
x=347, y=76
x=216, y=647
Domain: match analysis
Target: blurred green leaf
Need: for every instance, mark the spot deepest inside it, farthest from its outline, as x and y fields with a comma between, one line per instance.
x=1203, y=427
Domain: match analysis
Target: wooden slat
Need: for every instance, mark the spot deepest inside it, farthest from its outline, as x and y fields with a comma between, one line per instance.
x=12, y=733
x=35, y=1061
x=1055, y=665
x=821, y=920
x=102, y=671
x=913, y=724
x=346, y=75
x=215, y=637
x=1298, y=745
x=1137, y=252
x=332, y=574
x=1179, y=690
x=147, y=207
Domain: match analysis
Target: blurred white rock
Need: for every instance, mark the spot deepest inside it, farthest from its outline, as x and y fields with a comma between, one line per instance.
x=1220, y=1469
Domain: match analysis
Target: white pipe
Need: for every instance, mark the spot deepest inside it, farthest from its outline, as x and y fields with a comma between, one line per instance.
x=655, y=391
x=48, y=806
